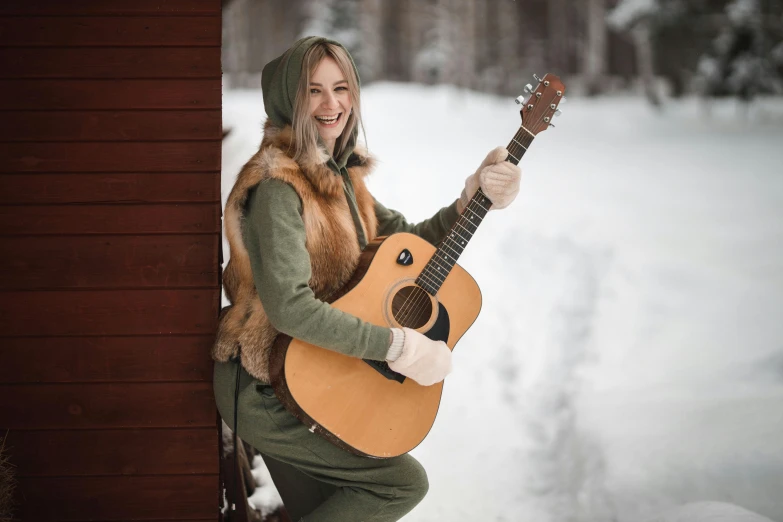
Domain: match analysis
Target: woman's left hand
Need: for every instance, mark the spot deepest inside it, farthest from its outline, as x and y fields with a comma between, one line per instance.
x=498, y=179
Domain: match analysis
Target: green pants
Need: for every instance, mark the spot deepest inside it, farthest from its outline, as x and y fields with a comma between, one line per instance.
x=315, y=479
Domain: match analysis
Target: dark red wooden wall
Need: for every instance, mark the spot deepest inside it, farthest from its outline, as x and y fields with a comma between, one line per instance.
x=110, y=136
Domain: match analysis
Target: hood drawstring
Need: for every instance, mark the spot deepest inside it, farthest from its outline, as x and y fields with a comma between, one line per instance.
x=237, y=506
x=350, y=197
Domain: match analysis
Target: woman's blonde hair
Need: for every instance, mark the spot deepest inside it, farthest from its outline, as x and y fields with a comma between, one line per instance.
x=304, y=127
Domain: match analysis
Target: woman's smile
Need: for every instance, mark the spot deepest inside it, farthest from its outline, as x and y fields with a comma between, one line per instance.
x=329, y=121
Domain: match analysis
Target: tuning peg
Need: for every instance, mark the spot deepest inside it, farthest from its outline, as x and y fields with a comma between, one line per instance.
x=563, y=100
x=528, y=88
x=558, y=112
x=537, y=78
x=520, y=100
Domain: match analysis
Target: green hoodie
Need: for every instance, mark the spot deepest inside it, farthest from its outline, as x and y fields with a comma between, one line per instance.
x=274, y=234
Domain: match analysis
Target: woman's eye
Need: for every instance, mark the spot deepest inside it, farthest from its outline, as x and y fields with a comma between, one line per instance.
x=341, y=88
x=314, y=91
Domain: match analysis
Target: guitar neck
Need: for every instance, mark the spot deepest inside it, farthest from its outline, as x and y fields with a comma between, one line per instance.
x=451, y=247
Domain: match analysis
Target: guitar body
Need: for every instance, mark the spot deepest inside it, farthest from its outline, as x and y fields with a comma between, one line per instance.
x=362, y=406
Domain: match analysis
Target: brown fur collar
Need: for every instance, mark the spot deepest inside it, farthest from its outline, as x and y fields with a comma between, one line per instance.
x=331, y=239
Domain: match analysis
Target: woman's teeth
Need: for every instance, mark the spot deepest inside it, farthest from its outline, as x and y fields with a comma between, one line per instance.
x=327, y=120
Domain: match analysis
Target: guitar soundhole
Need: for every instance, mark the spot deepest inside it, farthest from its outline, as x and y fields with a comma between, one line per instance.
x=411, y=307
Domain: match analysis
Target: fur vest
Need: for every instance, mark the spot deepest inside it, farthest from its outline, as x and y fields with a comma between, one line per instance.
x=331, y=240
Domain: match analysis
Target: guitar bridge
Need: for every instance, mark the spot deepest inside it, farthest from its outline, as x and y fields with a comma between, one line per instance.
x=382, y=367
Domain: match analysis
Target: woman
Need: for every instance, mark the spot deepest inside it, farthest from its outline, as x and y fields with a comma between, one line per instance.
x=296, y=221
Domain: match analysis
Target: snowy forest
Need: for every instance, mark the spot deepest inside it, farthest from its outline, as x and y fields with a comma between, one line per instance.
x=659, y=47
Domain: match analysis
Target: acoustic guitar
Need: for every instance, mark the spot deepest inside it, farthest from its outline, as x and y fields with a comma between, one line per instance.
x=401, y=280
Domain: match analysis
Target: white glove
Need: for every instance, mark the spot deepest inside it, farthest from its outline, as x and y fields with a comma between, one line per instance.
x=498, y=179
x=422, y=359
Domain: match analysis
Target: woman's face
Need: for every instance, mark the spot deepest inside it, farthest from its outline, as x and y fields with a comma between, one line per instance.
x=330, y=101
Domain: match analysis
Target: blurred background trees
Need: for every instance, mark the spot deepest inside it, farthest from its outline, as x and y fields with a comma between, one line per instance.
x=655, y=47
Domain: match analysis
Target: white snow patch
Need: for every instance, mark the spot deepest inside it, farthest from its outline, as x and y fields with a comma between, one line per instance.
x=265, y=498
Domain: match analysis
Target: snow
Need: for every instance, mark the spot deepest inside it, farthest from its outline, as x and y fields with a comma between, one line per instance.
x=743, y=12
x=265, y=498
x=628, y=12
x=709, y=512
x=628, y=358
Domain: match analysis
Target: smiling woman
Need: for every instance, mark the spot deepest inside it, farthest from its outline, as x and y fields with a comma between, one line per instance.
x=297, y=220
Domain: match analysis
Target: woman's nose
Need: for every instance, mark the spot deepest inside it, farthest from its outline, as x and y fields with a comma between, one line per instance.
x=330, y=100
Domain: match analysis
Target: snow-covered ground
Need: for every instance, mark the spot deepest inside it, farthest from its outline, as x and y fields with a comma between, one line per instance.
x=629, y=354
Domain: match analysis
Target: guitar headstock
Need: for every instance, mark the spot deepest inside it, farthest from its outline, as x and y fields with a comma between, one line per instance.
x=542, y=103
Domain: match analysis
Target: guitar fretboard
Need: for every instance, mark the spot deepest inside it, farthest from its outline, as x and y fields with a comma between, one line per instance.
x=451, y=247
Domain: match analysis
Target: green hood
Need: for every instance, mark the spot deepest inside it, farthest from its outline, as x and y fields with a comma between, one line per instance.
x=279, y=81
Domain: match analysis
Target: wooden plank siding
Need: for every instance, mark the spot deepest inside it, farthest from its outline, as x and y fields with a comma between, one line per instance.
x=47, y=31
x=109, y=126
x=111, y=63
x=110, y=227
x=113, y=187
x=107, y=94
x=124, y=452
x=120, y=497
x=158, y=8
x=89, y=262
x=114, y=359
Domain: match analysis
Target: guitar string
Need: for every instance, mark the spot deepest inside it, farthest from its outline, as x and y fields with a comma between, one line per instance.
x=423, y=301
x=420, y=301
x=409, y=307
x=418, y=305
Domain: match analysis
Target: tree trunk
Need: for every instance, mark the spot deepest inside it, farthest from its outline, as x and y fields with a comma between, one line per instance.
x=644, y=61
x=557, y=35
x=370, y=56
x=463, y=39
x=595, y=52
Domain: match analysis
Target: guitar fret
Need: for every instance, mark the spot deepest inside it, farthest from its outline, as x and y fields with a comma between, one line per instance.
x=454, y=245
x=430, y=277
x=458, y=253
x=482, y=206
x=447, y=267
x=442, y=257
x=438, y=276
x=470, y=226
x=515, y=141
x=477, y=198
x=428, y=286
x=431, y=290
x=458, y=234
x=470, y=234
x=474, y=213
x=465, y=225
x=523, y=128
x=434, y=275
x=514, y=157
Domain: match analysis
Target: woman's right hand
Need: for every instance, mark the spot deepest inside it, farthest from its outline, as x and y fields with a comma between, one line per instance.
x=422, y=359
